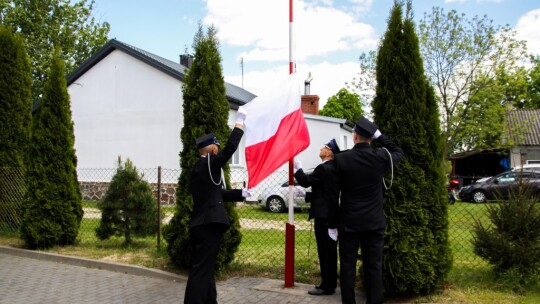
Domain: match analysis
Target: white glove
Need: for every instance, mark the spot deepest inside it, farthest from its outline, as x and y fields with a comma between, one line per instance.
x=247, y=193
x=240, y=115
x=332, y=233
x=297, y=164
x=377, y=134
x=299, y=192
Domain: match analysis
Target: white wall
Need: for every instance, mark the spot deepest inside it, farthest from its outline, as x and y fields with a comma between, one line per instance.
x=125, y=107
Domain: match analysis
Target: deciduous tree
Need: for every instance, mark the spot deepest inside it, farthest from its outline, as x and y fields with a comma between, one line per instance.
x=46, y=24
x=461, y=58
x=343, y=105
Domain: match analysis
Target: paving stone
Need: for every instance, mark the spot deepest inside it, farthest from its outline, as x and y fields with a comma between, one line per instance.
x=25, y=280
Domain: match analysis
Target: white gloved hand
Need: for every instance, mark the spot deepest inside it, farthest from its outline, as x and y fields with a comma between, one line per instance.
x=297, y=164
x=241, y=115
x=377, y=134
x=299, y=192
x=247, y=193
x=332, y=233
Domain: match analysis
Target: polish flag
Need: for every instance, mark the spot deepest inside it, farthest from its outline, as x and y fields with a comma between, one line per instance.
x=275, y=130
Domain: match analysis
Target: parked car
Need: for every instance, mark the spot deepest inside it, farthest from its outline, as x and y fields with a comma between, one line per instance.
x=527, y=167
x=500, y=186
x=276, y=198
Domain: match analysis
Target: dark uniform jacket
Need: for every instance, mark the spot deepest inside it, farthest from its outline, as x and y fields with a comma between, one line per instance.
x=323, y=186
x=359, y=177
x=208, y=198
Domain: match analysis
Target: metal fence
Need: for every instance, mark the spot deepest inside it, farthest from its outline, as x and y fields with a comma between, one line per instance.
x=263, y=231
x=12, y=189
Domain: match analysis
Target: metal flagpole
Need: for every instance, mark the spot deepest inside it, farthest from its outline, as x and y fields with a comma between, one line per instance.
x=289, y=227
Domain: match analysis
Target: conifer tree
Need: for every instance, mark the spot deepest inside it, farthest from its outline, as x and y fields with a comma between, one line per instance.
x=128, y=208
x=52, y=211
x=205, y=110
x=15, y=99
x=15, y=110
x=416, y=248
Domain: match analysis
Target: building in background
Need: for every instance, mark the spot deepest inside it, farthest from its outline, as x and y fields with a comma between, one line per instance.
x=128, y=102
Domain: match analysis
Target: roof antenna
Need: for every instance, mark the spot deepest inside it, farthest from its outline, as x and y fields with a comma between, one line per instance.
x=242, y=67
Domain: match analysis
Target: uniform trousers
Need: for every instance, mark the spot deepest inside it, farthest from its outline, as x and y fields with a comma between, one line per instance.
x=327, y=250
x=201, y=284
x=371, y=244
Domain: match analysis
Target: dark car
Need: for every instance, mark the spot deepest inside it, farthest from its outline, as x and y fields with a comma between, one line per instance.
x=500, y=186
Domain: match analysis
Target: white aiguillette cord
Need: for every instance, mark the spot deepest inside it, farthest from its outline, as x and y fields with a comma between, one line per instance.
x=391, y=170
x=221, y=178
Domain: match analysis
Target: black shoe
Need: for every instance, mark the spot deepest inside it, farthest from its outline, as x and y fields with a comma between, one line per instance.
x=320, y=292
x=317, y=286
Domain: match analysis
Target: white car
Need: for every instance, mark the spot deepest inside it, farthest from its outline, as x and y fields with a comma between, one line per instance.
x=276, y=198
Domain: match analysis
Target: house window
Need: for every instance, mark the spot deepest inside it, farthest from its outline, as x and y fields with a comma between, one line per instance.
x=235, y=159
x=344, y=142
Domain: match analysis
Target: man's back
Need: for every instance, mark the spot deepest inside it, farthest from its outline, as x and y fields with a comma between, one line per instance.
x=359, y=173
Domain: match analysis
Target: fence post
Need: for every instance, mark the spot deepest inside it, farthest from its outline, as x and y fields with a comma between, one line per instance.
x=159, y=207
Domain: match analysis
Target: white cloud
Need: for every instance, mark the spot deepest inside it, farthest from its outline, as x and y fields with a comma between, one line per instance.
x=527, y=29
x=321, y=31
x=328, y=78
x=318, y=30
x=463, y=1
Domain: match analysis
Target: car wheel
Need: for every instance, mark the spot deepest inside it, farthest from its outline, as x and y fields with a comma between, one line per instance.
x=275, y=204
x=479, y=196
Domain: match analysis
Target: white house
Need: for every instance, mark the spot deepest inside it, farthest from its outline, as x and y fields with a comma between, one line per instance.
x=126, y=101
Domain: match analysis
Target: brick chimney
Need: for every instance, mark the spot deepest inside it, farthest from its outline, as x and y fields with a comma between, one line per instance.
x=186, y=60
x=310, y=104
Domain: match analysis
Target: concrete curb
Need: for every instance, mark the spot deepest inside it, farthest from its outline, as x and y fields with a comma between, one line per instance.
x=88, y=263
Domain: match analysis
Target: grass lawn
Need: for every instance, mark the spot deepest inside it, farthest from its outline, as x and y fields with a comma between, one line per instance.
x=262, y=252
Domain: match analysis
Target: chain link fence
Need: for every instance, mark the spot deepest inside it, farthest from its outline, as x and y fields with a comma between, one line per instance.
x=262, y=218
x=12, y=189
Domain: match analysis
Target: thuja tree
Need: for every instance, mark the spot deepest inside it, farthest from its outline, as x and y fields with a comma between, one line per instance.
x=205, y=110
x=52, y=210
x=15, y=99
x=15, y=110
x=511, y=241
x=417, y=257
x=128, y=208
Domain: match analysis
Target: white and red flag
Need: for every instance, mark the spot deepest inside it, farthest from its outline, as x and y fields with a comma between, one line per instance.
x=275, y=130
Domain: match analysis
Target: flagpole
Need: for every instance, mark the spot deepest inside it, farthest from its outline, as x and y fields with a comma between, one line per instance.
x=289, y=227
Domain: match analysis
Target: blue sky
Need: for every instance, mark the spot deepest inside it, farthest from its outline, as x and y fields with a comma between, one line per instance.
x=329, y=34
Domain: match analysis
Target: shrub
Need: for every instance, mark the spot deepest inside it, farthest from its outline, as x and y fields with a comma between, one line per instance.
x=128, y=208
x=512, y=242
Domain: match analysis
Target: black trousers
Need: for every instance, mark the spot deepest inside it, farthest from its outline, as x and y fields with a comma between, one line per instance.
x=327, y=250
x=201, y=284
x=371, y=244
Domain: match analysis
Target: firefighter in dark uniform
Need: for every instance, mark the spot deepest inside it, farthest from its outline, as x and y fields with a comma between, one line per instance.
x=209, y=220
x=324, y=195
x=360, y=219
